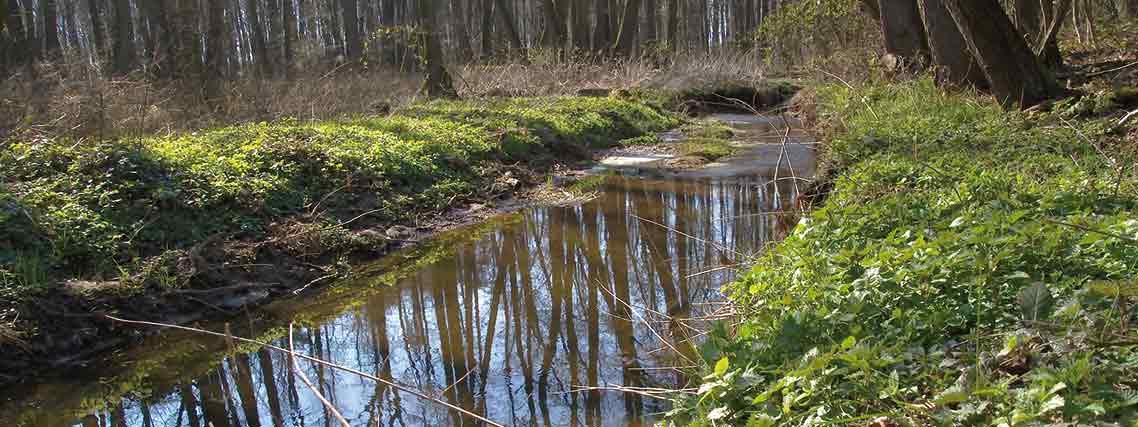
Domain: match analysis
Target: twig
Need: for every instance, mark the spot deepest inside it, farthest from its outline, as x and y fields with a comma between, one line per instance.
x=304, y=378
x=389, y=383
x=1099, y=73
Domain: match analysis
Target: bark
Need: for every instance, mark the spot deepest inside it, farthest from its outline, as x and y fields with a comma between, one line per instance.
x=871, y=8
x=260, y=52
x=215, y=46
x=673, y=25
x=1014, y=75
x=1030, y=16
x=124, y=53
x=51, y=28
x=353, y=48
x=288, y=22
x=953, y=61
x=602, y=32
x=487, y=27
x=16, y=45
x=629, y=29
x=96, y=24
x=438, y=83
x=512, y=34
x=580, y=27
x=903, y=30
x=465, y=50
x=651, y=16
x=162, y=45
x=553, y=35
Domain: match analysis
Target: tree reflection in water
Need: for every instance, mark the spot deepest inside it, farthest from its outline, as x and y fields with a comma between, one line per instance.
x=511, y=325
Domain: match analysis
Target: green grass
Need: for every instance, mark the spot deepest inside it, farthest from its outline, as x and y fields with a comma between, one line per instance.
x=949, y=279
x=111, y=209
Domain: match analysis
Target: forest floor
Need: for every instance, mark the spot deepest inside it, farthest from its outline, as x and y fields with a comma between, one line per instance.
x=962, y=265
x=205, y=224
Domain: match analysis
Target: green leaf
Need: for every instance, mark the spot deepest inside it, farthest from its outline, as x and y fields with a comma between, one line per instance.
x=1115, y=289
x=957, y=222
x=761, y=420
x=722, y=365
x=1035, y=302
x=718, y=413
x=849, y=342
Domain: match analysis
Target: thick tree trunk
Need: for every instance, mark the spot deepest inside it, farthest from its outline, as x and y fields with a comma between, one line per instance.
x=438, y=83
x=350, y=18
x=512, y=34
x=260, y=52
x=487, y=27
x=215, y=48
x=50, y=11
x=97, y=36
x=602, y=31
x=288, y=21
x=580, y=27
x=950, y=54
x=1030, y=16
x=903, y=31
x=651, y=17
x=1014, y=75
x=161, y=38
x=124, y=52
x=629, y=29
x=553, y=35
x=465, y=50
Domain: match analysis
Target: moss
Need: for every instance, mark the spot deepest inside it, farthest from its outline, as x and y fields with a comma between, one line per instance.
x=708, y=148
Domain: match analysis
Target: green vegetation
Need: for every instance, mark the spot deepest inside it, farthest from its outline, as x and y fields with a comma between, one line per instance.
x=970, y=267
x=129, y=209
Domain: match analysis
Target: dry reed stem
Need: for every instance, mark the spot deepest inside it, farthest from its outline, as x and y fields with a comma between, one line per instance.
x=295, y=366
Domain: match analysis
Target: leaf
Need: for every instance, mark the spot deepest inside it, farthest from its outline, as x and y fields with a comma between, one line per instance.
x=1035, y=302
x=722, y=365
x=761, y=420
x=849, y=342
x=959, y=221
x=718, y=413
x=1055, y=402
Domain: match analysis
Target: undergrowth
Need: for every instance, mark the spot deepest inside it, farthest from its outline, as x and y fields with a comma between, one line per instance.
x=131, y=209
x=970, y=267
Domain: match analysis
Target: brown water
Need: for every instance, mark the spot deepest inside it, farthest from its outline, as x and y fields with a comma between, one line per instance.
x=510, y=320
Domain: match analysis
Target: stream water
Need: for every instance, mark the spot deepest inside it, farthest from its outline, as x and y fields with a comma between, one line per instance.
x=532, y=319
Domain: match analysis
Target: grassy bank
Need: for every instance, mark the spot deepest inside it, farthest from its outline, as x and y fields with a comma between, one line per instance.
x=139, y=223
x=969, y=267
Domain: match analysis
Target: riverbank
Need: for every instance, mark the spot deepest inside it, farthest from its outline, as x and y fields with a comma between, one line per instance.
x=967, y=266
x=187, y=226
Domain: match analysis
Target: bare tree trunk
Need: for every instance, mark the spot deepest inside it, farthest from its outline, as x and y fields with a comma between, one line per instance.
x=465, y=50
x=50, y=11
x=97, y=36
x=487, y=27
x=651, y=17
x=602, y=32
x=950, y=54
x=903, y=30
x=215, y=48
x=351, y=20
x=511, y=27
x=1014, y=75
x=260, y=52
x=629, y=29
x=580, y=27
x=288, y=22
x=124, y=38
x=673, y=26
x=1030, y=21
x=438, y=83
x=163, y=45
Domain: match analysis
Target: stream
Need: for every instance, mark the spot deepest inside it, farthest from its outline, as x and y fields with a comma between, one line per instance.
x=550, y=316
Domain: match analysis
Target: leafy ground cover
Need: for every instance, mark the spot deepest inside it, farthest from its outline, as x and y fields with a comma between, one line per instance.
x=135, y=216
x=969, y=267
